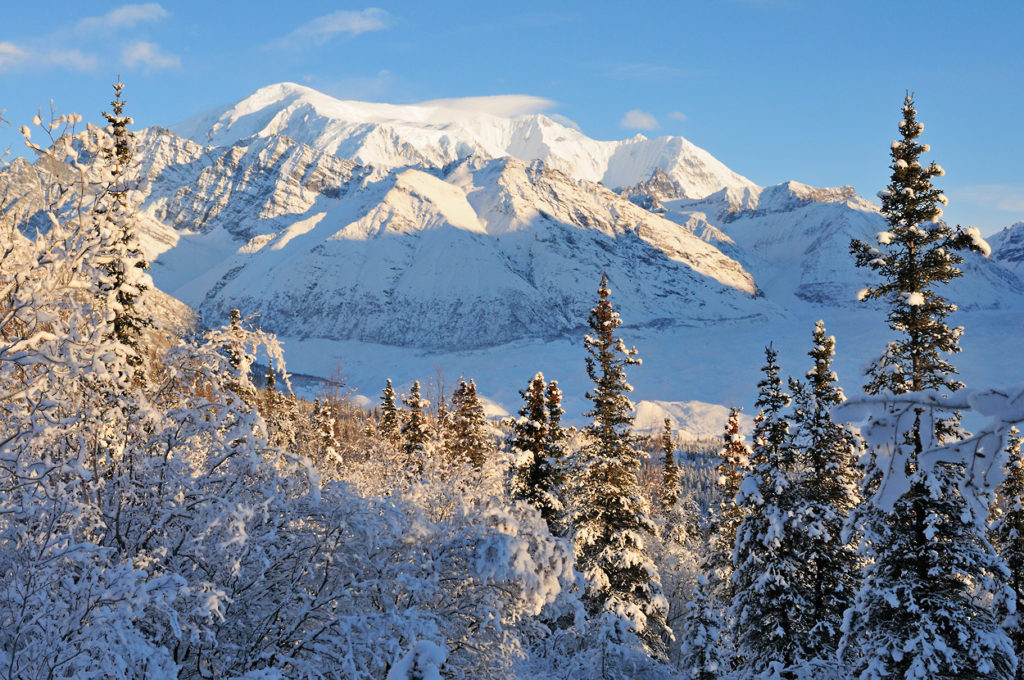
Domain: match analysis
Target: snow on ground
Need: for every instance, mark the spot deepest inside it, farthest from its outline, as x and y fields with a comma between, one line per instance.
x=717, y=365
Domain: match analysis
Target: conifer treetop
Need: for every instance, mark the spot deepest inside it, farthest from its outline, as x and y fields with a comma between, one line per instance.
x=915, y=255
x=606, y=361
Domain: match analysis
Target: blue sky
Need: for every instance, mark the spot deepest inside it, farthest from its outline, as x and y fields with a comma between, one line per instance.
x=776, y=89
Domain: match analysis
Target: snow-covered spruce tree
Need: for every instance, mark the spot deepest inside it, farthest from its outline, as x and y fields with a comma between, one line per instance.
x=707, y=649
x=280, y=412
x=670, y=469
x=124, y=263
x=766, y=560
x=469, y=438
x=929, y=600
x=557, y=454
x=735, y=455
x=415, y=431
x=826, y=492
x=322, y=423
x=390, y=425
x=1007, y=535
x=612, y=522
x=915, y=256
x=233, y=343
x=533, y=477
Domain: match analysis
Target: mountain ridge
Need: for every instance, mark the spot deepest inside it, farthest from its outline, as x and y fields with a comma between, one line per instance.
x=434, y=135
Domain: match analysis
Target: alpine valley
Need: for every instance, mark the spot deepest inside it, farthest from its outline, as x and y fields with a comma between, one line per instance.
x=415, y=242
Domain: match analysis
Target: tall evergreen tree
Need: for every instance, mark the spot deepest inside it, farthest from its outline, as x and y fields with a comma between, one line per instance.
x=926, y=607
x=234, y=345
x=735, y=455
x=1007, y=535
x=469, y=439
x=611, y=517
x=670, y=469
x=270, y=380
x=557, y=436
x=534, y=475
x=325, y=440
x=390, y=426
x=930, y=603
x=917, y=254
x=766, y=563
x=415, y=431
x=124, y=261
x=826, y=492
x=707, y=650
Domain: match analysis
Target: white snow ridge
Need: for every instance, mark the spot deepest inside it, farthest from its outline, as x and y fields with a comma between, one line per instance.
x=435, y=134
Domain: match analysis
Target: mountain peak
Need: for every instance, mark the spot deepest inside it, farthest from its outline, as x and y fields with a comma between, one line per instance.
x=437, y=133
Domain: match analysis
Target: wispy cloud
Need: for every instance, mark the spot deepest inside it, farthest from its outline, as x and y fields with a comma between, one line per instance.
x=14, y=56
x=126, y=16
x=678, y=115
x=1006, y=197
x=11, y=54
x=499, y=105
x=148, y=55
x=567, y=122
x=341, y=23
x=73, y=59
x=77, y=46
x=638, y=120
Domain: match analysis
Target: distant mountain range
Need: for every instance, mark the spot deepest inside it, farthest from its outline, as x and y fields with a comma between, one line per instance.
x=406, y=238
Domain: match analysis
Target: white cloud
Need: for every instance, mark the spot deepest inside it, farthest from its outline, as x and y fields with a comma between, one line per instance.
x=638, y=120
x=678, y=115
x=75, y=59
x=999, y=196
x=148, y=55
x=10, y=54
x=507, y=105
x=343, y=22
x=125, y=16
x=567, y=122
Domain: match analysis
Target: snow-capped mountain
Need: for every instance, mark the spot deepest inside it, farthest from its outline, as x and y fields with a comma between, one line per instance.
x=406, y=242
x=1008, y=247
x=435, y=135
x=688, y=419
x=484, y=252
x=795, y=240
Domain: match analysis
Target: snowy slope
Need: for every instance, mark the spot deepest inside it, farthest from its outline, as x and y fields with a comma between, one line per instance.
x=1008, y=247
x=690, y=420
x=487, y=252
x=434, y=135
x=795, y=240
